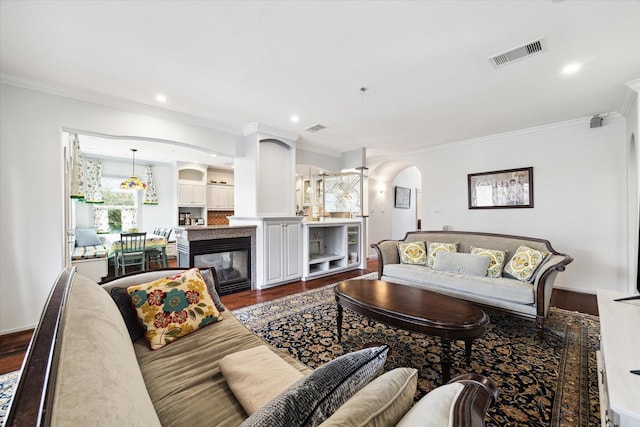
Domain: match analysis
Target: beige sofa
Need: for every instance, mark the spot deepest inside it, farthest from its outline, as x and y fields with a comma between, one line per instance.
x=525, y=298
x=82, y=368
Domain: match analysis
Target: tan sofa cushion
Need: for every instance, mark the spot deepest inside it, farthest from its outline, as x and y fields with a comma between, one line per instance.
x=257, y=375
x=184, y=378
x=382, y=402
x=96, y=357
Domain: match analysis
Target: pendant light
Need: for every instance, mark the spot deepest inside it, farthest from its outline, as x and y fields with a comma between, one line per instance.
x=133, y=182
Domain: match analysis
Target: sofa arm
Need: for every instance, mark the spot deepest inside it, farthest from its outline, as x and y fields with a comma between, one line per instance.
x=387, y=251
x=543, y=282
x=462, y=402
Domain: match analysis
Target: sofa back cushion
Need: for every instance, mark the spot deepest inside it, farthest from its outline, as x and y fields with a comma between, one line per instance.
x=97, y=358
x=454, y=262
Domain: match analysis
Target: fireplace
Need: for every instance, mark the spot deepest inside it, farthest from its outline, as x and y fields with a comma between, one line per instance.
x=231, y=257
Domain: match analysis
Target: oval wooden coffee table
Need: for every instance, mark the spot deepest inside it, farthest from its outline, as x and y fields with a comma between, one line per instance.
x=416, y=310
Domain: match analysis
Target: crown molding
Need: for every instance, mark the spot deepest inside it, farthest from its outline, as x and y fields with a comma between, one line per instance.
x=574, y=123
x=52, y=88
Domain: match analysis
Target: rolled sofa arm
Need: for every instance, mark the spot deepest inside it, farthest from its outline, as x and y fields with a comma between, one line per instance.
x=543, y=283
x=462, y=402
x=387, y=251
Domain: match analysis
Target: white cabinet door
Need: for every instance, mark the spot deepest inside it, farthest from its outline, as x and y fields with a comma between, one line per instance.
x=212, y=197
x=219, y=197
x=283, y=255
x=185, y=194
x=191, y=194
x=274, y=246
x=199, y=196
x=292, y=250
x=230, y=200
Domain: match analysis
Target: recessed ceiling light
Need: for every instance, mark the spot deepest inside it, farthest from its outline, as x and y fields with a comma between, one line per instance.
x=571, y=68
x=213, y=154
x=161, y=98
x=295, y=119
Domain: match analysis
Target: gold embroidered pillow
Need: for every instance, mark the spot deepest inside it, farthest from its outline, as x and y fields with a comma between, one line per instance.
x=436, y=247
x=412, y=253
x=524, y=263
x=497, y=258
x=172, y=307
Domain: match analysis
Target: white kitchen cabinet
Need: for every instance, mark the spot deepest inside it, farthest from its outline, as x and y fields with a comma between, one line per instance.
x=282, y=251
x=191, y=194
x=220, y=197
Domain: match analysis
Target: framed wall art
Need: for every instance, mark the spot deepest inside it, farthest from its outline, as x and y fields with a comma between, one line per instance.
x=402, y=197
x=511, y=188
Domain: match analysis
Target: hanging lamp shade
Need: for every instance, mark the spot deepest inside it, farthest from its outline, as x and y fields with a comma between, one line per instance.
x=133, y=182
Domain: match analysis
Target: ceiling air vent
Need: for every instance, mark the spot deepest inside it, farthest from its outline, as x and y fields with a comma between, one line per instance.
x=316, y=128
x=518, y=53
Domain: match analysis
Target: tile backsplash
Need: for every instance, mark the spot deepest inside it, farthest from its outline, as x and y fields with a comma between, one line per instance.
x=218, y=217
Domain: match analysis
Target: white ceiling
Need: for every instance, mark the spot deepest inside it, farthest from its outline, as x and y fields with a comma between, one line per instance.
x=424, y=64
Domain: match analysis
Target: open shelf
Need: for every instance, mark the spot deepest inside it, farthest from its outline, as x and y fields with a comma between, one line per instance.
x=332, y=248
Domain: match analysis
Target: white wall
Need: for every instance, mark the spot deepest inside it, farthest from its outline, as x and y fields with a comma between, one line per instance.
x=404, y=220
x=380, y=212
x=31, y=177
x=580, y=191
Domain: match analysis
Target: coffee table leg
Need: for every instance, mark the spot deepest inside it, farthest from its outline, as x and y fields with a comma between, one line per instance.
x=339, y=320
x=445, y=358
x=467, y=347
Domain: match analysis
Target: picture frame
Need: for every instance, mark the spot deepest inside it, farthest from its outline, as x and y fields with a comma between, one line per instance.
x=402, y=197
x=503, y=189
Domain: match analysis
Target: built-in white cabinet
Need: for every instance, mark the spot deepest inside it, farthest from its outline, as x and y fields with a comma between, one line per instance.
x=220, y=197
x=282, y=251
x=331, y=247
x=191, y=194
x=618, y=359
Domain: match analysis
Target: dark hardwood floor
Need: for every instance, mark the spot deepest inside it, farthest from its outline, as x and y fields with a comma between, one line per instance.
x=14, y=345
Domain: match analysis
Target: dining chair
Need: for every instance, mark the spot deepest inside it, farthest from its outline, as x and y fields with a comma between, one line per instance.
x=158, y=255
x=132, y=252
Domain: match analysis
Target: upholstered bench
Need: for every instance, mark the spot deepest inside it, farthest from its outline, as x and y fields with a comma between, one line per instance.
x=91, y=261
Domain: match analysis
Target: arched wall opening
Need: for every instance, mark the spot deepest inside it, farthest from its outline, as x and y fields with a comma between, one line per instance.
x=386, y=221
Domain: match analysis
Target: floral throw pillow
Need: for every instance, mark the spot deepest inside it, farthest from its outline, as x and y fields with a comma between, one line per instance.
x=436, y=247
x=524, y=263
x=497, y=258
x=412, y=253
x=172, y=307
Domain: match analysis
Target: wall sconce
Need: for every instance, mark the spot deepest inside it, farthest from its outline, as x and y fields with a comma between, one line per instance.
x=381, y=189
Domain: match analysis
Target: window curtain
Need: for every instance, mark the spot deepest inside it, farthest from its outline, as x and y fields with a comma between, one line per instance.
x=129, y=221
x=93, y=192
x=101, y=219
x=150, y=196
x=77, y=180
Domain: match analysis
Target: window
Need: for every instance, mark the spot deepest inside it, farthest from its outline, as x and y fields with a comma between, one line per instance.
x=120, y=210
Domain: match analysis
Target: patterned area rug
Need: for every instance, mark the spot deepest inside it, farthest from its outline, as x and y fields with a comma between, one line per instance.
x=550, y=383
x=7, y=387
